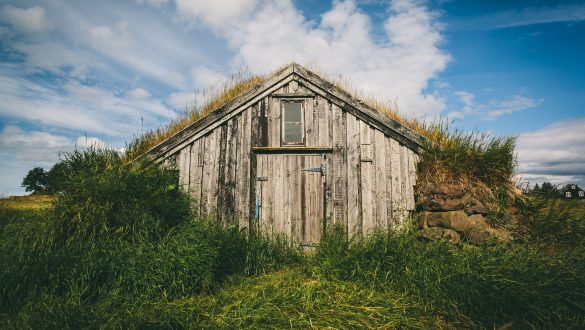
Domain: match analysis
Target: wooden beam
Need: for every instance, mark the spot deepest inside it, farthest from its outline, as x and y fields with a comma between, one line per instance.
x=292, y=150
x=293, y=95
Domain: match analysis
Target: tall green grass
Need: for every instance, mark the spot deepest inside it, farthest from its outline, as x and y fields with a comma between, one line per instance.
x=117, y=232
x=553, y=221
x=486, y=286
x=468, y=156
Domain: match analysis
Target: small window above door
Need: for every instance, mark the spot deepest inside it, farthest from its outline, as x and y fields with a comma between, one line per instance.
x=293, y=129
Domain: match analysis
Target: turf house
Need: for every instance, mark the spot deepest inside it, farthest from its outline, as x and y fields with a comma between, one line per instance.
x=293, y=155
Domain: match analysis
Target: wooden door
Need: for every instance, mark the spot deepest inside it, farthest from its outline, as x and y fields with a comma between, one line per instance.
x=290, y=196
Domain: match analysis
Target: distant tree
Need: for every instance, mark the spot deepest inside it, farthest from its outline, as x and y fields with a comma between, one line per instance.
x=35, y=181
x=56, y=177
x=549, y=190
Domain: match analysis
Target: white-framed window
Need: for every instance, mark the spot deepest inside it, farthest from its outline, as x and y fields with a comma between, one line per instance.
x=293, y=122
x=573, y=187
x=581, y=193
x=568, y=194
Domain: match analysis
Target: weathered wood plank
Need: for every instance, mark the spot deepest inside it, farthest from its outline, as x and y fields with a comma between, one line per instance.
x=380, y=180
x=286, y=187
x=196, y=175
x=263, y=124
x=243, y=174
x=260, y=222
x=388, y=179
x=277, y=186
x=403, y=184
x=353, y=189
x=214, y=143
x=183, y=160
x=222, y=174
x=269, y=193
x=231, y=166
x=339, y=173
x=274, y=122
x=410, y=169
x=207, y=160
x=396, y=185
x=368, y=220
x=324, y=118
x=310, y=125
x=296, y=204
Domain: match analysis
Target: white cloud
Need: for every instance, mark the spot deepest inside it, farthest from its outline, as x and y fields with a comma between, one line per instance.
x=139, y=93
x=506, y=106
x=77, y=107
x=217, y=13
x=88, y=142
x=28, y=20
x=119, y=44
x=468, y=100
x=492, y=109
x=204, y=77
x=35, y=146
x=526, y=16
x=398, y=67
x=556, y=152
x=181, y=99
x=156, y=3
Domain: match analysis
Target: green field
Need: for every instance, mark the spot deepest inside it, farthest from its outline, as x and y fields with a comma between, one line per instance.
x=32, y=202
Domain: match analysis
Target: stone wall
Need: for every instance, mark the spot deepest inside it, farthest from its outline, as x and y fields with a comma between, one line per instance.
x=455, y=214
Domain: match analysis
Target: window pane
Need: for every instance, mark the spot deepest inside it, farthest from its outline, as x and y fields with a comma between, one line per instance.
x=292, y=112
x=293, y=133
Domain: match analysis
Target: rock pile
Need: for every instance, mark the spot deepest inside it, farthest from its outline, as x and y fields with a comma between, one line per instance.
x=455, y=215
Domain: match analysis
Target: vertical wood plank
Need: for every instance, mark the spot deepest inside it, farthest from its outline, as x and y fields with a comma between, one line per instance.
x=261, y=224
x=310, y=128
x=196, y=175
x=338, y=175
x=368, y=221
x=231, y=166
x=208, y=149
x=274, y=122
x=353, y=189
x=244, y=154
x=214, y=143
x=253, y=167
x=262, y=125
x=330, y=168
x=396, y=188
x=289, y=159
x=388, y=179
x=373, y=177
x=222, y=188
x=323, y=115
x=381, y=177
x=403, y=184
x=183, y=161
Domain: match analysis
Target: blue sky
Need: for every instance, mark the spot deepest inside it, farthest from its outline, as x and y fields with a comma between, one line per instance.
x=80, y=73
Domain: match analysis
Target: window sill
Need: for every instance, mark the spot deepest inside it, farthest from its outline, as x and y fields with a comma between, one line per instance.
x=292, y=149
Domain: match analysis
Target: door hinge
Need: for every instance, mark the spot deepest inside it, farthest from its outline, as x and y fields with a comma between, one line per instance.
x=322, y=169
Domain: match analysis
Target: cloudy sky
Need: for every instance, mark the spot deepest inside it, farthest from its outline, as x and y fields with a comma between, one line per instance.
x=77, y=73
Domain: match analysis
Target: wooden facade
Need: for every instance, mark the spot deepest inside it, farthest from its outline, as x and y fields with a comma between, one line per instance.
x=354, y=166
